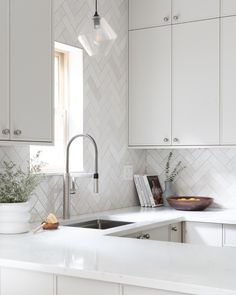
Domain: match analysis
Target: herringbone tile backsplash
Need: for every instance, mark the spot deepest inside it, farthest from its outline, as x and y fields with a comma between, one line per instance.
x=209, y=172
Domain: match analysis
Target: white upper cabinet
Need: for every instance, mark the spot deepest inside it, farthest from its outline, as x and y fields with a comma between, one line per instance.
x=149, y=13
x=228, y=7
x=192, y=10
x=150, y=86
x=195, y=99
x=228, y=81
x=4, y=70
x=31, y=70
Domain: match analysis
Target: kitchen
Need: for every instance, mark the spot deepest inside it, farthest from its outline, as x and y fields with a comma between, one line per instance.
x=130, y=141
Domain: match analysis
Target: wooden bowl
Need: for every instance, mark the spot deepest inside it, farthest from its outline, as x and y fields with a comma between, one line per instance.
x=50, y=226
x=190, y=203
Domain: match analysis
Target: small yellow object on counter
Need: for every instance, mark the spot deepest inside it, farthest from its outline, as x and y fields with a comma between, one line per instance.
x=50, y=222
x=188, y=199
x=51, y=219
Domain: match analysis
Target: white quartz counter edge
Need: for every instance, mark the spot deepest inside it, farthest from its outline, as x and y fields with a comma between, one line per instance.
x=166, y=285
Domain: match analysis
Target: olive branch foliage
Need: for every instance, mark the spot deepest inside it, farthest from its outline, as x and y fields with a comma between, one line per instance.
x=16, y=185
x=170, y=176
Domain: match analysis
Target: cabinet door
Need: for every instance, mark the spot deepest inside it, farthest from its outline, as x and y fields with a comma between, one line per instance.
x=209, y=234
x=4, y=69
x=149, y=13
x=175, y=231
x=150, y=86
x=130, y=290
x=75, y=286
x=31, y=70
x=228, y=7
x=192, y=10
x=19, y=282
x=228, y=80
x=229, y=235
x=159, y=233
x=196, y=83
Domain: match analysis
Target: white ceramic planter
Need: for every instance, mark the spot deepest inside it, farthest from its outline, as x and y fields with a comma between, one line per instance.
x=14, y=218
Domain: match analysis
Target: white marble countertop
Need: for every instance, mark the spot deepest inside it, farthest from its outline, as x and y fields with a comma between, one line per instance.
x=88, y=253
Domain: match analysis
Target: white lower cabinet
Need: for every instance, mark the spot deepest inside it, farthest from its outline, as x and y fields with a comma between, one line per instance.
x=130, y=290
x=200, y=233
x=229, y=235
x=168, y=233
x=22, y=282
x=76, y=286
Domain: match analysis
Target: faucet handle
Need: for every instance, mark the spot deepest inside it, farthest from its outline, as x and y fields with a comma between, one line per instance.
x=73, y=188
x=95, y=186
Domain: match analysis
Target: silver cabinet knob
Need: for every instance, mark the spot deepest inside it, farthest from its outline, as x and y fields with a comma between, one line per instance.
x=143, y=237
x=176, y=17
x=176, y=140
x=146, y=236
x=166, y=19
x=6, y=131
x=17, y=132
x=174, y=228
x=166, y=139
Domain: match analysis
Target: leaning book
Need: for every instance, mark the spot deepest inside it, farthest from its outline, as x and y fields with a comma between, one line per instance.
x=154, y=190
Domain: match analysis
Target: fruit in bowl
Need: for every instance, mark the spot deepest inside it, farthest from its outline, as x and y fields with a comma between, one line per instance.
x=190, y=203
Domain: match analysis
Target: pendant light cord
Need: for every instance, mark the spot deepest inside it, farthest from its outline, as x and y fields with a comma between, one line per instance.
x=96, y=8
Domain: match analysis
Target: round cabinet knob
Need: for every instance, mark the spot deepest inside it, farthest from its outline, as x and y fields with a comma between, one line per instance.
x=6, y=131
x=146, y=236
x=175, y=17
x=143, y=237
x=176, y=140
x=174, y=228
x=166, y=19
x=17, y=132
x=166, y=139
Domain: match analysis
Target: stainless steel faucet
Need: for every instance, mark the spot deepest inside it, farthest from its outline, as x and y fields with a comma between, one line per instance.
x=68, y=178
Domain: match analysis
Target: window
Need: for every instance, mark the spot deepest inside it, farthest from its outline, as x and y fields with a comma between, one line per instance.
x=68, y=111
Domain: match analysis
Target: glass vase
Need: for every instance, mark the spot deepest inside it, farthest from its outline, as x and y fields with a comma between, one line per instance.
x=168, y=192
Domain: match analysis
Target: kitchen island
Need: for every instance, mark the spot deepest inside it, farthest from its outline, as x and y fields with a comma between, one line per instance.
x=95, y=262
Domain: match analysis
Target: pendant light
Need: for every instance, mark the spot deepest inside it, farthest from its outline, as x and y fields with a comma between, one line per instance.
x=100, y=37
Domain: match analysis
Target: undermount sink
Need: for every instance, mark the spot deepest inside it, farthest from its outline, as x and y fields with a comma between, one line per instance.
x=99, y=224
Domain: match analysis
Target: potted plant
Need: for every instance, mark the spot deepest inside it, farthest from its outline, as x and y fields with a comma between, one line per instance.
x=170, y=177
x=16, y=187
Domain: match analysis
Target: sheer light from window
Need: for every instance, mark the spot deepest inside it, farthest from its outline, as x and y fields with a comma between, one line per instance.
x=68, y=111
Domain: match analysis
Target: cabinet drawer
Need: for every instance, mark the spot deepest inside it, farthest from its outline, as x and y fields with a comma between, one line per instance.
x=193, y=10
x=229, y=235
x=21, y=282
x=75, y=286
x=129, y=290
x=149, y=13
x=228, y=7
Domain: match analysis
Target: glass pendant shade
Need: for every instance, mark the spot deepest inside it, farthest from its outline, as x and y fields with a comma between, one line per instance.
x=99, y=38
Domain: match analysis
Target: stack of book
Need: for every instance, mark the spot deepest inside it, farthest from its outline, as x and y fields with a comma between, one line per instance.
x=149, y=190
